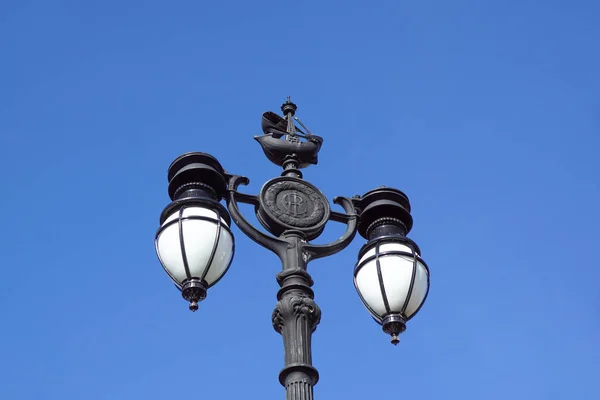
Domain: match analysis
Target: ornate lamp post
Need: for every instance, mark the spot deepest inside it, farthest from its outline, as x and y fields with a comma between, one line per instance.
x=195, y=244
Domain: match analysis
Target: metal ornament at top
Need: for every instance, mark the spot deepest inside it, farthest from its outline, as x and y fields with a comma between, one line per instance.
x=284, y=143
x=288, y=203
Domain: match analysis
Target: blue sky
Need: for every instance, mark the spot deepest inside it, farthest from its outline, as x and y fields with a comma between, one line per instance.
x=485, y=113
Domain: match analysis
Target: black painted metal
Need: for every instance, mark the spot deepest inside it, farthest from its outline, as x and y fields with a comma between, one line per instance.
x=384, y=218
x=194, y=291
x=296, y=314
x=380, y=205
x=296, y=317
x=281, y=139
x=294, y=212
x=200, y=168
x=394, y=324
x=195, y=180
x=289, y=203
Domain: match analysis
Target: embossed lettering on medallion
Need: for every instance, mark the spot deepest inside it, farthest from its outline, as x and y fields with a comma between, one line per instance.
x=294, y=203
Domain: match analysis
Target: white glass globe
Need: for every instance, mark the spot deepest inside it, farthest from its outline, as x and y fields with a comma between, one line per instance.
x=207, y=245
x=397, y=272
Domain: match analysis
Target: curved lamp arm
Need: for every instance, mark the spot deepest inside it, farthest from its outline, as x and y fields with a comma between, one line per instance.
x=314, y=251
x=275, y=245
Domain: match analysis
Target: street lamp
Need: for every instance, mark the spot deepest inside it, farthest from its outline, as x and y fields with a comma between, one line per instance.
x=195, y=245
x=390, y=277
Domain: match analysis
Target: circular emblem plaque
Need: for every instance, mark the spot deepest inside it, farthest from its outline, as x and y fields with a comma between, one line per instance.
x=288, y=203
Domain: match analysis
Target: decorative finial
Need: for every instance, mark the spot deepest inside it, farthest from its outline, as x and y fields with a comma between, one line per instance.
x=297, y=150
x=394, y=325
x=194, y=291
x=288, y=107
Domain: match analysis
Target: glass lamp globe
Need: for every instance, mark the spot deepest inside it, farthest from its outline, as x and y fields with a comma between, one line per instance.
x=195, y=247
x=392, y=281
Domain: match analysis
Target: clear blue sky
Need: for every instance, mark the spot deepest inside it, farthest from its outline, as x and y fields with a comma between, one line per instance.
x=486, y=113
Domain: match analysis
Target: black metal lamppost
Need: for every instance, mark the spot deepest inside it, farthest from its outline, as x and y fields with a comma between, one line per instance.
x=195, y=244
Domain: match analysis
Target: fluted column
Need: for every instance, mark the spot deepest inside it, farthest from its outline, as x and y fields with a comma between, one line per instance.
x=296, y=317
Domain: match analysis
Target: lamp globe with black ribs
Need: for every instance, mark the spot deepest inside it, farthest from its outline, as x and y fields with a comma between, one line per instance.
x=194, y=242
x=391, y=278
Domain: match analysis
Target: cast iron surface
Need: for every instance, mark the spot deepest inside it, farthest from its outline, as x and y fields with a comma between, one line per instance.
x=282, y=139
x=293, y=213
x=296, y=314
x=288, y=203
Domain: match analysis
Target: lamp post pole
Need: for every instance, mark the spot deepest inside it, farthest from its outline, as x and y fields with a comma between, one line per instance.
x=296, y=317
x=195, y=244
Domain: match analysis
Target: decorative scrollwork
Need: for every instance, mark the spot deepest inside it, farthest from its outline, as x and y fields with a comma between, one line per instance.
x=350, y=218
x=290, y=308
x=276, y=245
